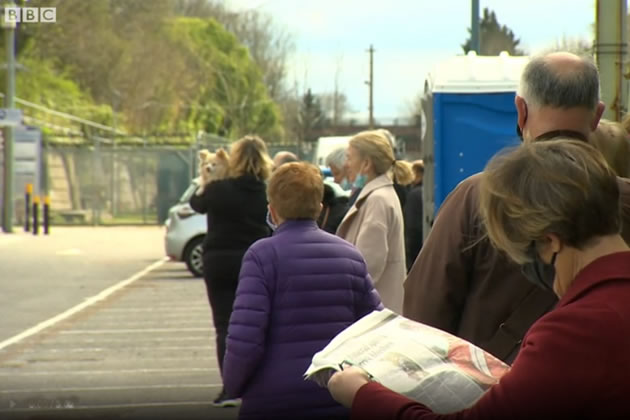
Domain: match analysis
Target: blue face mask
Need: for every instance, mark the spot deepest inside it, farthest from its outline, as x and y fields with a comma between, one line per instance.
x=345, y=184
x=270, y=222
x=360, y=181
x=539, y=272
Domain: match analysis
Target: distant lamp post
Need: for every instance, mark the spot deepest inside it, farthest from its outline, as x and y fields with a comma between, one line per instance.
x=9, y=103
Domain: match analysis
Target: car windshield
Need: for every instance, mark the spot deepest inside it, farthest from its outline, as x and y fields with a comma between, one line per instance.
x=185, y=198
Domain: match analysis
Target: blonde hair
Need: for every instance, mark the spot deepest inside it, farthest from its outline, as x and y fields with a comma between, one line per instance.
x=248, y=156
x=562, y=186
x=611, y=139
x=296, y=190
x=375, y=146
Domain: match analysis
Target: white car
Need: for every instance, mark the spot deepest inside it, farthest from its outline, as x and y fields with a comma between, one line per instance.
x=186, y=229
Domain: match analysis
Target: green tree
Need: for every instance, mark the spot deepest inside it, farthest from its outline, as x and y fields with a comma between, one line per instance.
x=269, y=44
x=158, y=72
x=494, y=37
x=233, y=101
x=310, y=116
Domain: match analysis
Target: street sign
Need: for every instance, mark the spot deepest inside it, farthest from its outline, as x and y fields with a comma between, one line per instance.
x=10, y=117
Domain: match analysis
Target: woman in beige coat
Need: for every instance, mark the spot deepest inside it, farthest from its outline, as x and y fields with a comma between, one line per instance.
x=374, y=223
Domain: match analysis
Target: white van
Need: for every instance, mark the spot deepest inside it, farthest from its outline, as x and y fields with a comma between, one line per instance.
x=325, y=145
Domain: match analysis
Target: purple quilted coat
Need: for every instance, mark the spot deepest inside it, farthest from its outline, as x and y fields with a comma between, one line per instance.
x=297, y=290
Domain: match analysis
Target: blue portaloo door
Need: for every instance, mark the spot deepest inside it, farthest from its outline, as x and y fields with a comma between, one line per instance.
x=469, y=128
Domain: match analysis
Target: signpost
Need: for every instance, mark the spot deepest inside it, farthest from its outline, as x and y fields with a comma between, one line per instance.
x=10, y=117
x=9, y=103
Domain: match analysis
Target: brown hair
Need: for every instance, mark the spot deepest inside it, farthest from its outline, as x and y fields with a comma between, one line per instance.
x=375, y=145
x=611, y=139
x=248, y=156
x=296, y=191
x=563, y=187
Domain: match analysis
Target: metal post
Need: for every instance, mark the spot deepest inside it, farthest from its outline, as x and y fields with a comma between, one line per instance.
x=27, y=207
x=371, y=86
x=95, y=154
x=35, y=214
x=611, y=51
x=144, y=182
x=113, y=163
x=46, y=214
x=475, y=38
x=9, y=101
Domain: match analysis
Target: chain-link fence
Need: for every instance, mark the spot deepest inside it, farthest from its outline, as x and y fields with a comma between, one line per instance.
x=103, y=184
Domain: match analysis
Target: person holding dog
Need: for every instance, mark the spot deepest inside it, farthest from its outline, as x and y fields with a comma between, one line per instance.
x=236, y=208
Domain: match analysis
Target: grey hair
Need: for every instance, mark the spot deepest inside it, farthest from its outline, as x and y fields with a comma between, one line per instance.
x=337, y=157
x=543, y=85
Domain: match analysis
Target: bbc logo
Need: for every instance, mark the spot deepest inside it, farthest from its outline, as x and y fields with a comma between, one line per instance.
x=30, y=14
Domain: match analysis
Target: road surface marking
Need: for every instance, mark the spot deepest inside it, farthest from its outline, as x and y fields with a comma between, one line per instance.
x=114, y=406
x=107, y=340
x=110, y=388
x=107, y=372
x=136, y=330
x=81, y=306
x=135, y=348
x=154, y=309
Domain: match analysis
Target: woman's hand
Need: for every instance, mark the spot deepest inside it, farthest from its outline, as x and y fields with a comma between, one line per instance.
x=343, y=386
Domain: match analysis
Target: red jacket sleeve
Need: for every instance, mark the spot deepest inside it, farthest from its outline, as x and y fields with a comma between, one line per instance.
x=559, y=373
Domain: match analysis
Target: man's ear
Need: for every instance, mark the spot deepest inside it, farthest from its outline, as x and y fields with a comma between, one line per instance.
x=601, y=107
x=521, y=111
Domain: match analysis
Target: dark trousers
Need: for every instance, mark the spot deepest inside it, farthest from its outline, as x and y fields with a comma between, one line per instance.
x=221, y=269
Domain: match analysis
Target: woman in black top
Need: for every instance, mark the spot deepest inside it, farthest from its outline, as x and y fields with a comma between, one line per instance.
x=236, y=209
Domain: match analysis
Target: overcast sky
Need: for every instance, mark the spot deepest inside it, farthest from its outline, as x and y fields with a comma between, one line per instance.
x=409, y=37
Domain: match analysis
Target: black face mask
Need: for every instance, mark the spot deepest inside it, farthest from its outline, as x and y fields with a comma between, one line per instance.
x=539, y=272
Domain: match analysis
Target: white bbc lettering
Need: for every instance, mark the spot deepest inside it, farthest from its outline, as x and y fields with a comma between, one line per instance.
x=48, y=14
x=30, y=14
x=12, y=14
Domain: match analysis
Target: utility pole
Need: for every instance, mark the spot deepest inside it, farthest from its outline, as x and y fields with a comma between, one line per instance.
x=9, y=102
x=611, y=52
x=475, y=40
x=370, y=84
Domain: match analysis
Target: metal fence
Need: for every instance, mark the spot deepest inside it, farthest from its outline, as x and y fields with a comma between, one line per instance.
x=101, y=184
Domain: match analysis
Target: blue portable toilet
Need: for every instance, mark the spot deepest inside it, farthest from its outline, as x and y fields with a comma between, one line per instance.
x=470, y=116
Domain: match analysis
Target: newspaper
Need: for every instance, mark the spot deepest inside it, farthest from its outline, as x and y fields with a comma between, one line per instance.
x=428, y=365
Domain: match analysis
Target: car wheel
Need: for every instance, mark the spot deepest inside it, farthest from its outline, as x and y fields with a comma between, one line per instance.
x=193, y=256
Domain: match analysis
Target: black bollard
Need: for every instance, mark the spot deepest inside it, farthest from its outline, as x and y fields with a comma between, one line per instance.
x=27, y=207
x=46, y=214
x=35, y=215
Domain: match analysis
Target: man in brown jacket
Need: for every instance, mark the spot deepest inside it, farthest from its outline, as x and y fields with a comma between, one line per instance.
x=459, y=282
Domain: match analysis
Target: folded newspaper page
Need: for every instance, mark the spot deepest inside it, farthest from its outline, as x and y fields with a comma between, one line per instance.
x=428, y=365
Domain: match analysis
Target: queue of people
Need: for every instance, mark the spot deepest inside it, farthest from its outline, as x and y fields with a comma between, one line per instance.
x=528, y=260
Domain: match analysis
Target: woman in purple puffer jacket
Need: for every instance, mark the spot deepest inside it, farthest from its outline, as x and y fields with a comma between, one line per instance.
x=297, y=290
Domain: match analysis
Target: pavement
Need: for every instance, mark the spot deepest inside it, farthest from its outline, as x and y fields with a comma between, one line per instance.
x=142, y=346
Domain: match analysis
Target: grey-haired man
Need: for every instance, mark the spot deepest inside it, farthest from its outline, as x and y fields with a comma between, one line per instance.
x=459, y=282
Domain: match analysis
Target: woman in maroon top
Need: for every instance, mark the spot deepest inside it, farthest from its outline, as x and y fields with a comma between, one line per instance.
x=553, y=207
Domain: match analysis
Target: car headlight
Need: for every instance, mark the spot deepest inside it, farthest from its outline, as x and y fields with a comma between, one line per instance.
x=185, y=212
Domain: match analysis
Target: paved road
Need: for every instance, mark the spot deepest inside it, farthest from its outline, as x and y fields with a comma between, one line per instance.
x=144, y=351
x=45, y=275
